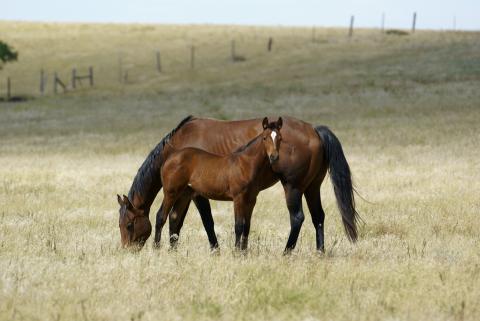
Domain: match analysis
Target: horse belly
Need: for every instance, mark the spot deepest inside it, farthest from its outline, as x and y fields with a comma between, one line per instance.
x=212, y=186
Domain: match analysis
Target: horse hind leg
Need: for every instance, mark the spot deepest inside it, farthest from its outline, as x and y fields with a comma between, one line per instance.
x=203, y=206
x=313, y=197
x=294, y=204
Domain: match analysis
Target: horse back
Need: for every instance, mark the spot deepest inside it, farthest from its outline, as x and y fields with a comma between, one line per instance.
x=301, y=152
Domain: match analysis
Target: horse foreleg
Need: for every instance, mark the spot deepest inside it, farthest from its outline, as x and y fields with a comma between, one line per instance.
x=165, y=208
x=158, y=227
x=243, y=208
x=293, y=197
x=177, y=217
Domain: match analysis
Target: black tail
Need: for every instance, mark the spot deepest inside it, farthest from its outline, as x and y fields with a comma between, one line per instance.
x=341, y=180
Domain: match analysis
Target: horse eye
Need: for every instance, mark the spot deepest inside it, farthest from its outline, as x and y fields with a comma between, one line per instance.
x=130, y=226
x=264, y=137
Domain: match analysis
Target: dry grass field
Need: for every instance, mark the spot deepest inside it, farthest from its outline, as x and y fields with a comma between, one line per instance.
x=406, y=109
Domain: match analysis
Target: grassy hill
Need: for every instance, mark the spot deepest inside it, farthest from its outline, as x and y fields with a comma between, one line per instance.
x=406, y=109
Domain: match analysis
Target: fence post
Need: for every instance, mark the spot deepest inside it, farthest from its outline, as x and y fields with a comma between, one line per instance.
x=270, y=44
x=192, y=57
x=90, y=74
x=350, y=31
x=42, y=82
x=120, y=65
x=55, y=85
x=9, y=89
x=383, y=22
x=414, y=22
x=159, y=64
x=232, y=50
x=74, y=78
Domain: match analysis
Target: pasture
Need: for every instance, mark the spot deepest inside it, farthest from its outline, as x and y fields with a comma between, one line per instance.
x=406, y=109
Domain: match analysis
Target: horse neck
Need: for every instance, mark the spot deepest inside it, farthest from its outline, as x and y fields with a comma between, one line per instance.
x=145, y=200
x=255, y=154
x=145, y=187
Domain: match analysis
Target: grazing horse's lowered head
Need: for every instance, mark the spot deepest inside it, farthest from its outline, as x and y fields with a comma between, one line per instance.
x=135, y=227
x=272, y=138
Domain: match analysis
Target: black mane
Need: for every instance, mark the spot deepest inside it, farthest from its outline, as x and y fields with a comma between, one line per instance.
x=148, y=174
x=244, y=147
x=271, y=125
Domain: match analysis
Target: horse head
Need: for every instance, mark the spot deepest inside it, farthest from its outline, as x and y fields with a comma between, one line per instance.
x=272, y=138
x=135, y=227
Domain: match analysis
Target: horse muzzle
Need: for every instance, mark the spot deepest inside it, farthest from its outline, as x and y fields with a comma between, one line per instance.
x=273, y=158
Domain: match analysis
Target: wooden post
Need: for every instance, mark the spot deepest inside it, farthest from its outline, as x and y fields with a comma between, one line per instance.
x=90, y=75
x=350, y=31
x=55, y=85
x=383, y=22
x=192, y=57
x=42, y=82
x=120, y=67
x=414, y=22
x=159, y=64
x=56, y=82
x=270, y=44
x=9, y=89
x=74, y=78
x=232, y=50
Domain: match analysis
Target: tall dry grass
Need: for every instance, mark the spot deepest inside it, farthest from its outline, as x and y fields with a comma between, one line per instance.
x=406, y=110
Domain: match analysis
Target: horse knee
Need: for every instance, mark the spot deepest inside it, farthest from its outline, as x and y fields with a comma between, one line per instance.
x=297, y=219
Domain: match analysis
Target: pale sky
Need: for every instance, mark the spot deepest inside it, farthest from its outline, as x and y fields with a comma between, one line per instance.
x=432, y=14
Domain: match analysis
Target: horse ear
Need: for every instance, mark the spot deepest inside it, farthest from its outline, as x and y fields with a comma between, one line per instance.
x=127, y=202
x=265, y=123
x=131, y=207
x=119, y=200
x=279, y=123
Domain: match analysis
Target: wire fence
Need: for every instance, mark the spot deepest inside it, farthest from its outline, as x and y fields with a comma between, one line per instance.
x=179, y=58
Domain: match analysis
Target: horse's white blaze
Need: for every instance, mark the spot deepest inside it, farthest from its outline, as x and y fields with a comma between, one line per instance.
x=273, y=134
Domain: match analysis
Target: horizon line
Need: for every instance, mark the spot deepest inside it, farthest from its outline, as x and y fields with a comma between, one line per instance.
x=346, y=26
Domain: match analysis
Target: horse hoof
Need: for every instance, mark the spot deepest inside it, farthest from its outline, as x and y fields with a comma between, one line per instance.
x=174, y=238
x=215, y=250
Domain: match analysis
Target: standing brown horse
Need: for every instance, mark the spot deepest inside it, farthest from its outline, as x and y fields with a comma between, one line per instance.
x=306, y=154
x=235, y=177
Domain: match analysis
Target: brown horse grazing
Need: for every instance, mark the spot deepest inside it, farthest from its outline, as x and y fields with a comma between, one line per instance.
x=131, y=217
x=235, y=177
x=306, y=153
